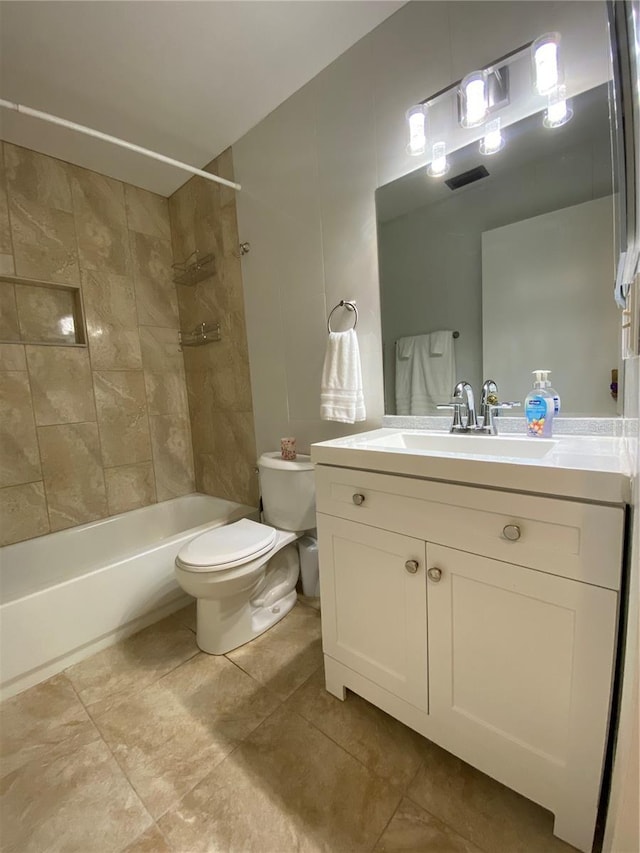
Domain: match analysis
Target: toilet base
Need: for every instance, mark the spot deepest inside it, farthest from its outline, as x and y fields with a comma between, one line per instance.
x=226, y=623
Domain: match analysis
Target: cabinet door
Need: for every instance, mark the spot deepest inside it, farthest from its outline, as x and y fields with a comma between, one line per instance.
x=520, y=671
x=374, y=610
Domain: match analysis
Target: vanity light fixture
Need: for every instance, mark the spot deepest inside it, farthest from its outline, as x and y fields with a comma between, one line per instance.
x=473, y=95
x=558, y=111
x=546, y=62
x=439, y=165
x=493, y=140
x=417, y=118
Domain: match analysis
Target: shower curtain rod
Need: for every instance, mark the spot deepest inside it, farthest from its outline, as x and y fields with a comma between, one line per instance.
x=97, y=134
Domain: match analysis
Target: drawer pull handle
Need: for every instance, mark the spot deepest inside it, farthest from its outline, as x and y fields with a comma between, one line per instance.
x=411, y=566
x=358, y=499
x=511, y=532
x=435, y=574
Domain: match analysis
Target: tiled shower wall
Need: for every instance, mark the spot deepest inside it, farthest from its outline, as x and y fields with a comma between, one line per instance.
x=203, y=217
x=87, y=432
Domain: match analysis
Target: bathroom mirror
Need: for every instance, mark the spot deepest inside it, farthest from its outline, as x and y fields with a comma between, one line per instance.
x=520, y=262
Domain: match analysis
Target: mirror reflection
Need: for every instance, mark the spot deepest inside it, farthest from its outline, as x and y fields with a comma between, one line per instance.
x=519, y=261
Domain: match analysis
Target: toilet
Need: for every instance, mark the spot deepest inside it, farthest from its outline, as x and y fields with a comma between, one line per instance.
x=244, y=574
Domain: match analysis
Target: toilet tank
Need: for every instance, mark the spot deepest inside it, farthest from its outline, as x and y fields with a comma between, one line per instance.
x=288, y=491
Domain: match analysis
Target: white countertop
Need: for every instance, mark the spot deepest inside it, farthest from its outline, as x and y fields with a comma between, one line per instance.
x=592, y=468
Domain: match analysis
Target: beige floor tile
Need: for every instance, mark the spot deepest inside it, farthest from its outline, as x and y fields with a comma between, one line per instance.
x=382, y=744
x=150, y=841
x=114, y=674
x=481, y=809
x=287, y=654
x=168, y=737
x=413, y=830
x=187, y=616
x=75, y=800
x=34, y=721
x=286, y=788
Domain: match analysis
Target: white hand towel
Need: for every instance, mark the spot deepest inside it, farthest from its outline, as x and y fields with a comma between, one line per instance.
x=341, y=394
x=439, y=342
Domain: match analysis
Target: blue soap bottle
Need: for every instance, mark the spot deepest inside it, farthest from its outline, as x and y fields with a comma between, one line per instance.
x=539, y=407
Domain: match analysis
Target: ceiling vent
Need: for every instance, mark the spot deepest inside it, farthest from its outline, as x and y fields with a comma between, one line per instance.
x=467, y=178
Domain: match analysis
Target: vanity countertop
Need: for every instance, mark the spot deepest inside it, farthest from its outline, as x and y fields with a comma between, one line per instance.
x=592, y=468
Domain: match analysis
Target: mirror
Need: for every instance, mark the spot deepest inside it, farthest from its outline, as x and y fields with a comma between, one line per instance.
x=519, y=262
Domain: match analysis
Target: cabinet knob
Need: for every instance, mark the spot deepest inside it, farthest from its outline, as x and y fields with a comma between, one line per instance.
x=358, y=499
x=435, y=574
x=411, y=566
x=511, y=532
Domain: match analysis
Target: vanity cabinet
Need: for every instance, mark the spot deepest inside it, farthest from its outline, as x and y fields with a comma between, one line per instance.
x=485, y=620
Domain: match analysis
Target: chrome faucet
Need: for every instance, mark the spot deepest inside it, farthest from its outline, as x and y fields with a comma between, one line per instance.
x=464, y=405
x=464, y=409
x=490, y=408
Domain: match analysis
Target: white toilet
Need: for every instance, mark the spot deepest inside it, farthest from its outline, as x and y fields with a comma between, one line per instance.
x=244, y=574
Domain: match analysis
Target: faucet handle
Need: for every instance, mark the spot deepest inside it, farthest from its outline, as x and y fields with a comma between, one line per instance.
x=512, y=404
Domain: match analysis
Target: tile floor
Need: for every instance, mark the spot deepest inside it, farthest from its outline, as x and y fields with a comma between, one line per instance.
x=151, y=746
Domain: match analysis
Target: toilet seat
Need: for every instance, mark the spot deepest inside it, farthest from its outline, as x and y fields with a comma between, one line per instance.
x=227, y=547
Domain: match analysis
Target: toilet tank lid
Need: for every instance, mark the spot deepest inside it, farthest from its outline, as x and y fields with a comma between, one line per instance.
x=275, y=460
x=231, y=543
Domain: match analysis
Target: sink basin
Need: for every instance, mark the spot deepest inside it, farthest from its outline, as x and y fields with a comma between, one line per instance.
x=520, y=447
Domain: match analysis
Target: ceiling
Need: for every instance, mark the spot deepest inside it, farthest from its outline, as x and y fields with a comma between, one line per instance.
x=186, y=79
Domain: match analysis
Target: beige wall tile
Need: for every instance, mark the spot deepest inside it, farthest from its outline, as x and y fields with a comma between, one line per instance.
x=12, y=357
x=230, y=387
x=23, y=513
x=9, y=326
x=101, y=222
x=47, y=314
x=122, y=415
x=38, y=177
x=147, y=212
x=181, y=206
x=61, y=385
x=44, y=241
x=130, y=487
x=112, y=322
x=5, y=228
x=73, y=474
x=155, y=290
x=19, y=456
x=172, y=456
x=234, y=452
x=166, y=393
x=160, y=350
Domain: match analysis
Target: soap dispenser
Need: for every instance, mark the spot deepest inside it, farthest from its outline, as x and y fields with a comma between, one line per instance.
x=539, y=406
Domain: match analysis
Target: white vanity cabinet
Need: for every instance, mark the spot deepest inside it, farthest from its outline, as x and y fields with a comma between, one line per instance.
x=499, y=649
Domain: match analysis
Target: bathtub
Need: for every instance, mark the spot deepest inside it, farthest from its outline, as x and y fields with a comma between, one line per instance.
x=69, y=594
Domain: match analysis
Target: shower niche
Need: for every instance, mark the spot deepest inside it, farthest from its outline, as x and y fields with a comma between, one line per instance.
x=40, y=312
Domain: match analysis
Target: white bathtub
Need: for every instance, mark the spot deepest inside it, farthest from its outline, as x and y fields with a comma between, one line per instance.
x=66, y=595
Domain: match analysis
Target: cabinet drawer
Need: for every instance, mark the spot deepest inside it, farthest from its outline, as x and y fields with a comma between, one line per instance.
x=565, y=538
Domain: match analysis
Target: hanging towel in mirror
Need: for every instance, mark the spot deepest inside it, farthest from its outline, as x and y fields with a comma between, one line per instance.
x=341, y=393
x=424, y=380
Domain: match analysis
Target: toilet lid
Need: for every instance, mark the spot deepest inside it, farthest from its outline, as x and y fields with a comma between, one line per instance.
x=227, y=546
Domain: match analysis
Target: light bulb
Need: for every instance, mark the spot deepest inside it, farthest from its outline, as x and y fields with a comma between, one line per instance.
x=474, y=99
x=417, y=137
x=558, y=111
x=439, y=164
x=493, y=140
x=546, y=62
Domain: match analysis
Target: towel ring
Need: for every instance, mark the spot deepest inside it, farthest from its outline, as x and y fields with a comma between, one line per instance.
x=344, y=303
